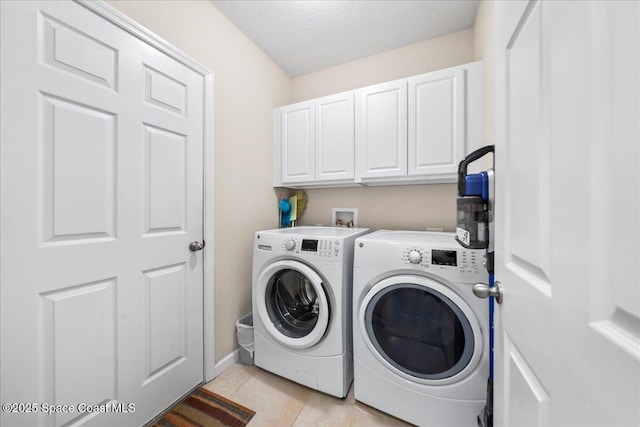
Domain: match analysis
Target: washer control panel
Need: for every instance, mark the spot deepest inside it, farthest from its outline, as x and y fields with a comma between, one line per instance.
x=313, y=248
x=462, y=260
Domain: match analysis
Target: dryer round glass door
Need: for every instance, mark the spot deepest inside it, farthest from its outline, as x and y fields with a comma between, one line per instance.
x=292, y=304
x=421, y=329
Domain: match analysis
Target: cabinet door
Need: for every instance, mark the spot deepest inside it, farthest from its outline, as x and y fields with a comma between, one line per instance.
x=297, y=145
x=335, y=137
x=381, y=130
x=436, y=122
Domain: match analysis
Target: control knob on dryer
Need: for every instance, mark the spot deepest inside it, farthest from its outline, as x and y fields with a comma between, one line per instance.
x=290, y=244
x=415, y=257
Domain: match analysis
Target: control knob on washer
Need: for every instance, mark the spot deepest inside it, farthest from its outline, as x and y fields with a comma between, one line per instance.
x=415, y=257
x=290, y=244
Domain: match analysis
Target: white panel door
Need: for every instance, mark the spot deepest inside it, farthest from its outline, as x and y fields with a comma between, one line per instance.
x=436, y=122
x=567, y=225
x=381, y=130
x=101, y=160
x=297, y=143
x=334, y=137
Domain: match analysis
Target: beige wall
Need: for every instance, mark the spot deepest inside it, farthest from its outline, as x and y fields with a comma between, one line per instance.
x=414, y=207
x=406, y=207
x=483, y=49
x=442, y=52
x=247, y=86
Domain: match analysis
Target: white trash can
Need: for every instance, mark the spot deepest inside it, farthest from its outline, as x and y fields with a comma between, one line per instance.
x=244, y=330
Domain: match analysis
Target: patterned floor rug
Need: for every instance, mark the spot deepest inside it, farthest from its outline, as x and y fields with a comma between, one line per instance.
x=207, y=409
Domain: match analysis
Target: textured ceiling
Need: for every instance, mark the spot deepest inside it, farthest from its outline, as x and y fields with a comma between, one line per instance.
x=307, y=36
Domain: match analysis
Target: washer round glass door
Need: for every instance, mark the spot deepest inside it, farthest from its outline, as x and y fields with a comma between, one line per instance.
x=292, y=304
x=420, y=329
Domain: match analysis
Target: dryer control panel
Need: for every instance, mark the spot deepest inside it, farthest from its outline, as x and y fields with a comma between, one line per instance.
x=434, y=253
x=461, y=260
x=313, y=248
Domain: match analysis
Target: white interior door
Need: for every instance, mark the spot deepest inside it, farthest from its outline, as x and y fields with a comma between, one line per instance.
x=101, y=162
x=567, y=222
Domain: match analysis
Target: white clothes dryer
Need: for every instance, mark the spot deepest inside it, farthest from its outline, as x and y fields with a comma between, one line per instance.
x=421, y=338
x=302, y=299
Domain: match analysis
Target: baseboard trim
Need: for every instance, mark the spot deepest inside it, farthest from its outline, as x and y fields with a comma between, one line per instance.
x=228, y=361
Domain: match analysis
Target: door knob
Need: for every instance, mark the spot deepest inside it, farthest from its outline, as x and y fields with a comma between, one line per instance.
x=482, y=290
x=196, y=246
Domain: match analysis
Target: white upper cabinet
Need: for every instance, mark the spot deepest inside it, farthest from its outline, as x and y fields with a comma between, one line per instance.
x=316, y=141
x=436, y=122
x=297, y=145
x=381, y=135
x=334, y=131
x=408, y=131
x=417, y=130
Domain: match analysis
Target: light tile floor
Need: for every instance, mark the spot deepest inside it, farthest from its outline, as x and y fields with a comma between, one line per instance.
x=280, y=402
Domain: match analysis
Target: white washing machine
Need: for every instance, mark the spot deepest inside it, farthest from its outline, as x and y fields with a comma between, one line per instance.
x=302, y=299
x=420, y=336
